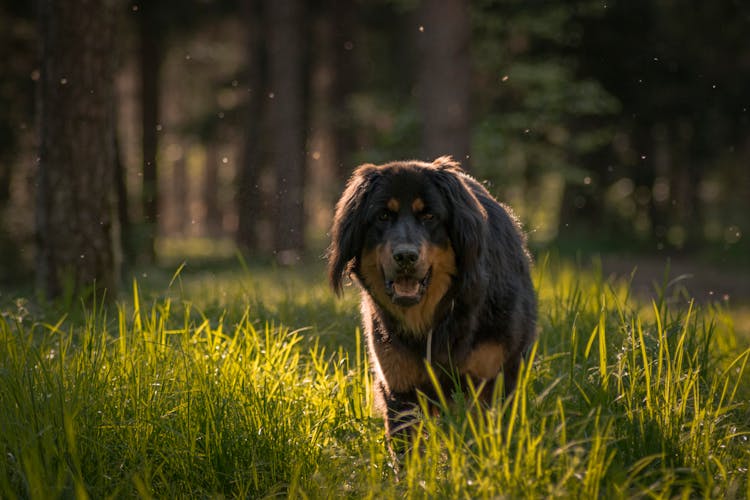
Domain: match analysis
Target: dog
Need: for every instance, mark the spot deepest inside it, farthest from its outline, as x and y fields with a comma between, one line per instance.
x=445, y=282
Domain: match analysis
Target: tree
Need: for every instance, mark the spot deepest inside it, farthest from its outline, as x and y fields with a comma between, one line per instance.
x=210, y=188
x=18, y=47
x=336, y=46
x=286, y=118
x=76, y=147
x=150, y=61
x=249, y=195
x=444, y=78
x=682, y=79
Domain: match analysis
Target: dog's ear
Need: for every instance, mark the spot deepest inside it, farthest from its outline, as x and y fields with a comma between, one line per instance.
x=348, y=230
x=467, y=222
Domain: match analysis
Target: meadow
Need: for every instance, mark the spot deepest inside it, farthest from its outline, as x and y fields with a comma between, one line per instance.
x=246, y=380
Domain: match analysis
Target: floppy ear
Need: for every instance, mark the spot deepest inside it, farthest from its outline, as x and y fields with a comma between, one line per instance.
x=348, y=230
x=467, y=222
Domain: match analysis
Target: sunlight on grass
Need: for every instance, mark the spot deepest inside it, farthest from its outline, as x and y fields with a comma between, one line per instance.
x=201, y=389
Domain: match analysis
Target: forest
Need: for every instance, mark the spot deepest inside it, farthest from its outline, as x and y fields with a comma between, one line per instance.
x=608, y=126
x=168, y=176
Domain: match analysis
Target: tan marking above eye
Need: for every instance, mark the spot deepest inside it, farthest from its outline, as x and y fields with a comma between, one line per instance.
x=393, y=205
x=417, y=205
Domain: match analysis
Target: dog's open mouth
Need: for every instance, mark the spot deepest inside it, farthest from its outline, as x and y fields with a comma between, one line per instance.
x=407, y=290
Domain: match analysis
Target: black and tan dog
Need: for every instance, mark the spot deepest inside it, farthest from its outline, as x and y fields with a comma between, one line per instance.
x=444, y=274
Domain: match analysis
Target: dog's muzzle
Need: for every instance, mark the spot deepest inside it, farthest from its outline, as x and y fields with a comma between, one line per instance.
x=407, y=283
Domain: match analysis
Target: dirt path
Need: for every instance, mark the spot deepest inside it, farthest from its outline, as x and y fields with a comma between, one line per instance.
x=703, y=281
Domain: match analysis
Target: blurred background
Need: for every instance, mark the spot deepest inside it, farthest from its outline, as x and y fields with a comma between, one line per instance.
x=612, y=127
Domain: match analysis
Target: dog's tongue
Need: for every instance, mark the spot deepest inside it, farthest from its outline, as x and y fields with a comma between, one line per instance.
x=406, y=287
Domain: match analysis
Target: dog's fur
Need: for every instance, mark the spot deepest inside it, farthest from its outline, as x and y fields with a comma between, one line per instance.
x=441, y=266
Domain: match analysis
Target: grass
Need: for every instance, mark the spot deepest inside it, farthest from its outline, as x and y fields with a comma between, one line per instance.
x=251, y=382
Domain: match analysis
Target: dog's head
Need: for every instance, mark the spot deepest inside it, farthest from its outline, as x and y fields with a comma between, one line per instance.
x=409, y=231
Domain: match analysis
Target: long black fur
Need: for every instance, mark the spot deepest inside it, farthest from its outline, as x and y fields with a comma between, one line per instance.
x=490, y=301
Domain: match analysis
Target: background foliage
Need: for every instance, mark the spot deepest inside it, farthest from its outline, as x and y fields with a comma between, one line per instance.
x=618, y=123
x=221, y=367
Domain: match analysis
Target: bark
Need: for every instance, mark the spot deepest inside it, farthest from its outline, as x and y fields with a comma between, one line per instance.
x=249, y=194
x=327, y=168
x=343, y=83
x=76, y=147
x=444, y=78
x=286, y=114
x=210, y=186
x=121, y=196
x=181, y=196
x=150, y=68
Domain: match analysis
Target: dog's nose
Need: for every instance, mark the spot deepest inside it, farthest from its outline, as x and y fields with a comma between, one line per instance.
x=405, y=255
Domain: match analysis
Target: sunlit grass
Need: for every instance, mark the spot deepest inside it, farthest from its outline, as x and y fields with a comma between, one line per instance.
x=251, y=381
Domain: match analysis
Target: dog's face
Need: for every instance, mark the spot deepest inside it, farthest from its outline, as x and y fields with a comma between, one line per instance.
x=407, y=251
x=404, y=229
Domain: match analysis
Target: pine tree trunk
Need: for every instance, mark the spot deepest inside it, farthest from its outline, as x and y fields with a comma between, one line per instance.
x=181, y=196
x=286, y=114
x=76, y=147
x=445, y=78
x=249, y=194
x=150, y=68
x=344, y=76
x=213, y=216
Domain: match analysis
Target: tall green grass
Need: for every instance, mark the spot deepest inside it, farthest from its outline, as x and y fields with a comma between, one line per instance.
x=216, y=386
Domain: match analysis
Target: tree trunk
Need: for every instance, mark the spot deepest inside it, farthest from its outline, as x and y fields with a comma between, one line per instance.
x=330, y=139
x=249, y=194
x=213, y=215
x=286, y=114
x=444, y=78
x=181, y=195
x=121, y=195
x=343, y=83
x=76, y=147
x=150, y=68
x=686, y=176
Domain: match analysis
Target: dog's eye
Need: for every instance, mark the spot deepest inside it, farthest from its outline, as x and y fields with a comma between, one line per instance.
x=384, y=215
x=426, y=216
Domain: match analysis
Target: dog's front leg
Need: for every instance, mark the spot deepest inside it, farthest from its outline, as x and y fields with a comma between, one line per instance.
x=401, y=413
